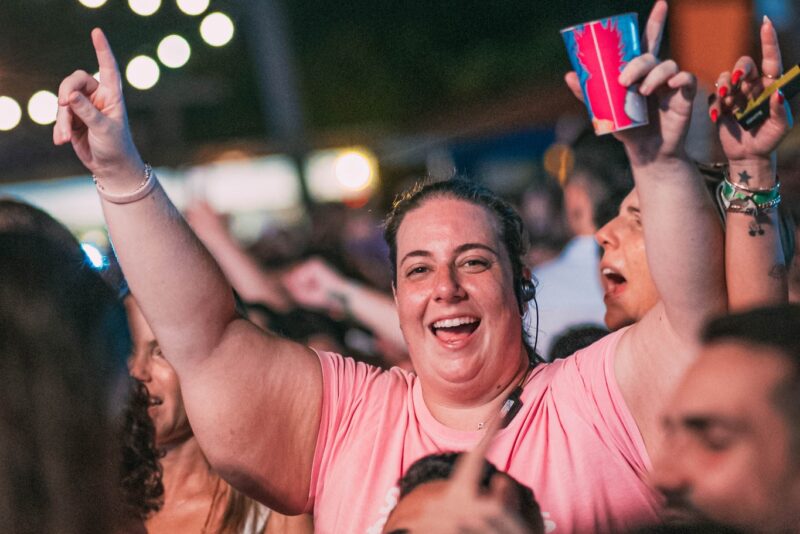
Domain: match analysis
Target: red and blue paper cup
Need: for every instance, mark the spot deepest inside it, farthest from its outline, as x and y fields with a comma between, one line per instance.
x=599, y=50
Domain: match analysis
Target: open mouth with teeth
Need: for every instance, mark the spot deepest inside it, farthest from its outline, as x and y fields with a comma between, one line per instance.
x=454, y=329
x=154, y=401
x=613, y=281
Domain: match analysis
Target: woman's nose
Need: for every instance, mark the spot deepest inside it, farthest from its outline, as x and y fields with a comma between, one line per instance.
x=448, y=287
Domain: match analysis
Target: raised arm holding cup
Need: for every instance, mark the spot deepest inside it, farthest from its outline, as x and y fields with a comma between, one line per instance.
x=682, y=234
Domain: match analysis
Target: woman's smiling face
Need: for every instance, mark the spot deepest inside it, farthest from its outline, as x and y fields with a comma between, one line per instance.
x=455, y=297
x=148, y=365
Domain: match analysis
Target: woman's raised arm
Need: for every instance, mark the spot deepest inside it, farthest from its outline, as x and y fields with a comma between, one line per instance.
x=250, y=396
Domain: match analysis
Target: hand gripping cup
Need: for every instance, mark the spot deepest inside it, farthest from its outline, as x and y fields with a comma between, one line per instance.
x=599, y=50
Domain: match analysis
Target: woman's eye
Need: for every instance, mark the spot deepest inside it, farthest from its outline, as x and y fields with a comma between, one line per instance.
x=157, y=352
x=418, y=270
x=475, y=264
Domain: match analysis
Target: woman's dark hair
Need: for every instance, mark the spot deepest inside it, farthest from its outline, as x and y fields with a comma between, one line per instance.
x=512, y=229
x=16, y=216
x=63, y=343
x=575, y=338
x=141, y=470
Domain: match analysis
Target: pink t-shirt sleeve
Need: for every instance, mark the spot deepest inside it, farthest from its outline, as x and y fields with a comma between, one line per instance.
x=588, y=383
x=347, y=386
x=585, y=458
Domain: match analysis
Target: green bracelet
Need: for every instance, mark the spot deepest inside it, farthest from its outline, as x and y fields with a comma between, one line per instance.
x=740, y=199
x=759, y=197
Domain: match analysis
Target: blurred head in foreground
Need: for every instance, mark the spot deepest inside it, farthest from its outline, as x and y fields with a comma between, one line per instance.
x=732, y=448
x=63, y=344
x=427, y=478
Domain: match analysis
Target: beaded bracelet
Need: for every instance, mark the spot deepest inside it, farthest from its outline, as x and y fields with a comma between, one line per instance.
x=749, y=207
x=141, y=191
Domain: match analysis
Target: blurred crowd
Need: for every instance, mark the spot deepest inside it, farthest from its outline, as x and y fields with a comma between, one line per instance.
x=615, y=349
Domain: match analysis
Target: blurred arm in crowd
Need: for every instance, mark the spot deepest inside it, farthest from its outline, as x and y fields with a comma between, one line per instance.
x=315, y=284
x=251, y=281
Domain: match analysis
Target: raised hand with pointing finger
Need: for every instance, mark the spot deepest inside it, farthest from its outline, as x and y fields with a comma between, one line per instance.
x=92, y=116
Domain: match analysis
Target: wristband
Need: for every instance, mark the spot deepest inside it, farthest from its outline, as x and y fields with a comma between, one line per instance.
x=141, y=191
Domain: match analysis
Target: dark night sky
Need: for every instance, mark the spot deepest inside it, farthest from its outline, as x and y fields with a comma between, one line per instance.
x=376, y=63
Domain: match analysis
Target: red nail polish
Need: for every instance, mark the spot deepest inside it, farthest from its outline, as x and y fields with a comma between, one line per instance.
x=714, y=115
x=723, y=91
x=737, y=74
x=781, y=98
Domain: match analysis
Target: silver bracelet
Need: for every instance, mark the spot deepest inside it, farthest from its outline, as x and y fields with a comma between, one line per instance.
x=749, y=207
x=141, y=191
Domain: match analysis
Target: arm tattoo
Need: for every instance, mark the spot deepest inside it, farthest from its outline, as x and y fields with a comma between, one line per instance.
x=744, y=178
x=755, y=228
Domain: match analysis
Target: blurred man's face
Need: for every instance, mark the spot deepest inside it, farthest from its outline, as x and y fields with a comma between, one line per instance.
x=728, y=452
x=629, y=290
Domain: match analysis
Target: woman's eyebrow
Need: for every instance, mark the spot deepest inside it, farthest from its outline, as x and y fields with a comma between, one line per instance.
x=470, y=246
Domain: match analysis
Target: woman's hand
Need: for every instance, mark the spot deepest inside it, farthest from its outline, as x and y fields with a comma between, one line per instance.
x=745, y=83
x=92, y=116
x=669, y=93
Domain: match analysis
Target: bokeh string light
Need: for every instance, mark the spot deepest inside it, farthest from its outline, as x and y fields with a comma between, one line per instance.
x=92, y=4
x=10, y=113
x=217, y=29
x=174, y=51
x=42, y=108
x=193, y=7
x=144, y=8
x=142, y=72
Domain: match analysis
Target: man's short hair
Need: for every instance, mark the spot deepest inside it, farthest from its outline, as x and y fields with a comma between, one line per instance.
x=440, y=467
x=775, y=327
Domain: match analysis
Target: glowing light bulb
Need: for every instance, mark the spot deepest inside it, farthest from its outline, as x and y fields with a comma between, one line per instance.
x=174, y=51
x=42, y=107
x=142, y=72
x=10, y=113
x=92, y=4
x=144, y=8
x=353, y=170
x=193, y=7
x=217, y=29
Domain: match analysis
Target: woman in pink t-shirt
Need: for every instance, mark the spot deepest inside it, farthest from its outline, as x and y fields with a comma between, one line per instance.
x=305, y=431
